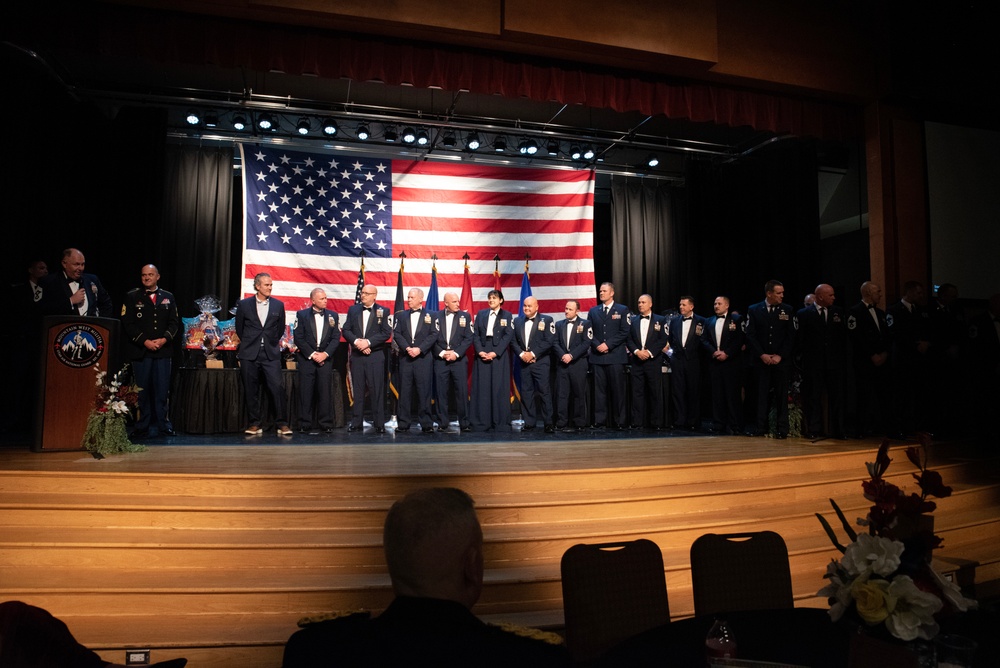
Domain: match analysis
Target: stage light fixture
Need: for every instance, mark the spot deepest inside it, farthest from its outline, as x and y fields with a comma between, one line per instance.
x=472, y=142
x=449, y=140
x=193, y=118
x=528, y=147
x=575, y=153
x=330, y=127
x=363, y=133
x=390, y=136
x=422, y=138
x=553, y=148
x=499, y=144
x=239, y=122
x=265, y=122
x=211, y=119
x=652, y=161
x=588, y=153
x=303, y=126
x=409, y=136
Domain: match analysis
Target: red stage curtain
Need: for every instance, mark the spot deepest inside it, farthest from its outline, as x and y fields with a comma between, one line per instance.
x=229, y=43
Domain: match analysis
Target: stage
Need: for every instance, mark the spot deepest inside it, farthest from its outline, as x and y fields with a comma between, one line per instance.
x=213, y=547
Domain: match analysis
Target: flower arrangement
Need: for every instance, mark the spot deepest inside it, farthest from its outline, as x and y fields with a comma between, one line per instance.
x=885, y=579
x=113, y=404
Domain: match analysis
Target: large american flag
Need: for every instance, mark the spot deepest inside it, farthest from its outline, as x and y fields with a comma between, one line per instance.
x=308, y=217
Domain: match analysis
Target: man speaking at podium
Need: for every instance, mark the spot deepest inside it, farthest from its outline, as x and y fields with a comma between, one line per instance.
x=73, y=292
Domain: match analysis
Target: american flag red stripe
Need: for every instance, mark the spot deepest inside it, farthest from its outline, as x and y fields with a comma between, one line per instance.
x=308, y=216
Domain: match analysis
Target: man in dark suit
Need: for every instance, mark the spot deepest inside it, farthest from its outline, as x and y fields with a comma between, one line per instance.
x=572, y=351
x=151, y=323
x=453, y=328
x=723, y=341
x=647, y=340
x=870, y=341
x=684, y=333
x=434, y=553
x=534, y=334
x=367, y=330
x=949, y=392
x=74, y=292
x=260, y=324
x=909, y=324
x=413, y=331
x=492, y=331
x=317, y=335
x=19, y=368
x=610, y=323
x=770, y=337
x=824, y=346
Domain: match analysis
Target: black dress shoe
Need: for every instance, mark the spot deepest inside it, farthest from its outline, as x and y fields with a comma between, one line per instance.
x=355, y=427
x=168, y=432
x=427, y=430
x=328, y=430
x=303, y=430
x=528, y=427
x=399, y=429
x=813, y=436
x=597, y=427
x=568, y=430
x=442, y=429
x=381, y=430
x=549, y=429
x=781, y=437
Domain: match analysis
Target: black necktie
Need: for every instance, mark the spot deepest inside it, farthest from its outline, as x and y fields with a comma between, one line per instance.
x=605, y=310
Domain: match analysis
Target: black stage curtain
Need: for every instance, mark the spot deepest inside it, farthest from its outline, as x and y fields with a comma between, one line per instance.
x=196, y=233
x=733, y=227
x=648, y=220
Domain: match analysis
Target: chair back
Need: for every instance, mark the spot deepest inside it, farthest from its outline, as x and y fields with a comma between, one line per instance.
x=740, y=571
x=611, y=592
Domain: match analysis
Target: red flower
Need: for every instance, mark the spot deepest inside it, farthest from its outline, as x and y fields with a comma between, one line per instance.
x=931, y=484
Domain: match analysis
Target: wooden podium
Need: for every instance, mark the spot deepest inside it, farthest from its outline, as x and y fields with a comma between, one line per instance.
x=72, y=346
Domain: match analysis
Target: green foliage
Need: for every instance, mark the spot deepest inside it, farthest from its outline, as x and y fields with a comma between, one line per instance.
x=106, y=434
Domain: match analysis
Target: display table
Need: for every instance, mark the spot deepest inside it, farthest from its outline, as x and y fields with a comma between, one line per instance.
x=211, y=401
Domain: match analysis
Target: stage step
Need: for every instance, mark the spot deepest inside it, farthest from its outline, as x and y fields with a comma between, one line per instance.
x=220, y=567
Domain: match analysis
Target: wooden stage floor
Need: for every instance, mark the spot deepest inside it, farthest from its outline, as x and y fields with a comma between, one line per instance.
x=351, y=454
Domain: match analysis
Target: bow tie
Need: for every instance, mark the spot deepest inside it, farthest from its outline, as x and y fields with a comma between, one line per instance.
x=368, y=309
x=871, y=306
x=414, y=310
x=529, y=319
x=315, y=312
x=72, y=280
x=151, y=292
x=687, y=318
x=571, y=321
x=645, y=317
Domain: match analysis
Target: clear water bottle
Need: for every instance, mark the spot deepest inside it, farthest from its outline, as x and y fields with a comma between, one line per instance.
x=720, y=643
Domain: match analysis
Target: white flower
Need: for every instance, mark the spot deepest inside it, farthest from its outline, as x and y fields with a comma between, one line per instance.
x=119, y=407
x=838, y=591
x=952, y=594
x=911, y=611
x=870, y=555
